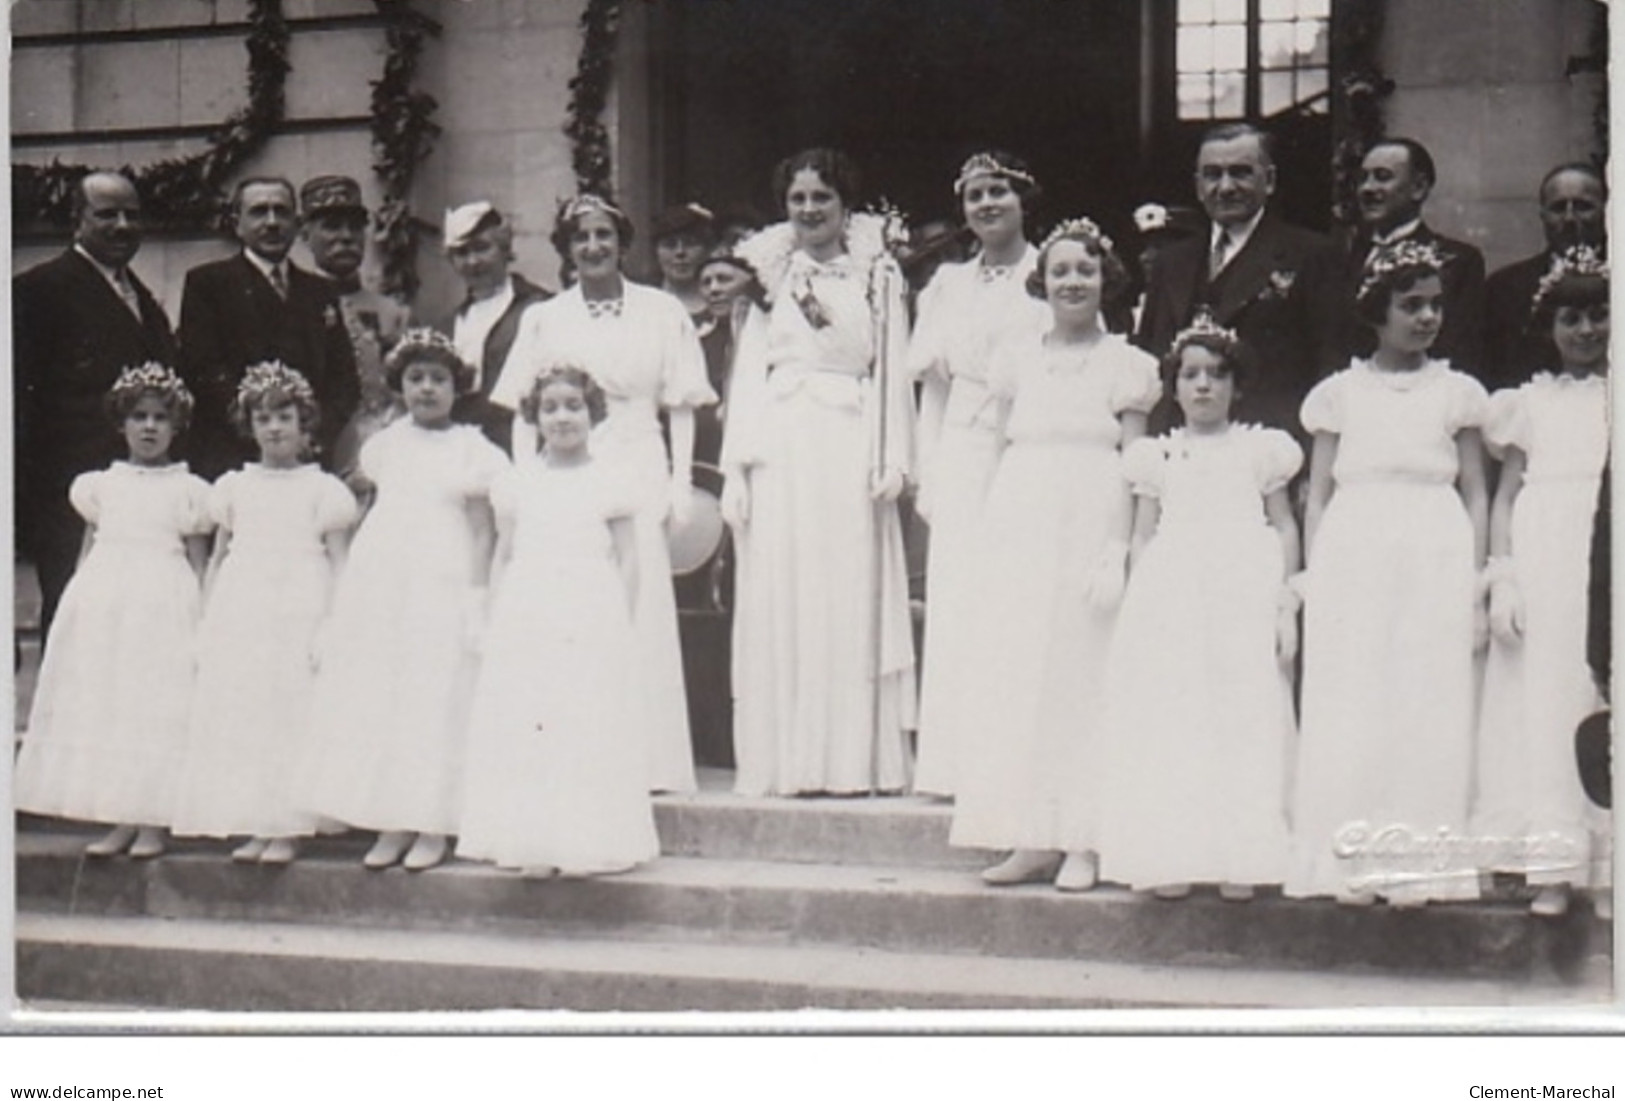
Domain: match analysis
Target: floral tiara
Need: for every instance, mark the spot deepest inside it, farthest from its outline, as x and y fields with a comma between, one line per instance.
x=273, y=377
x=417, y=341
x=588, y=203
x=1203, y=327
x=1394, y=258
x=1578, y=261
x=152, y=377
x=986, y=164
x=1077, y=227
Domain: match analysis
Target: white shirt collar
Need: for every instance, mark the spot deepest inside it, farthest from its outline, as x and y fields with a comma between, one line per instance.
x=1239, y=235
x=109, y=274
x=1398, y=233
x=265, y=266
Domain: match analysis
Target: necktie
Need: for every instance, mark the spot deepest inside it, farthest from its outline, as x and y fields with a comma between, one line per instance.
x=279, y=282
x=126, y=291
x=1221, y=255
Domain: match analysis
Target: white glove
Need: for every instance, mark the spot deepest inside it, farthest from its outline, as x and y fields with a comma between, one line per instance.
x=320, y=642
x=474, y=616
x=735, y=500
x=887, y=485
x=1108, y=577
x=681, y=503
x=1506, y=609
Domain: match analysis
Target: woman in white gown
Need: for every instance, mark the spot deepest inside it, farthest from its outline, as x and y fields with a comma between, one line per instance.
x=964, y=313
x=816, y=449
x=1551, y=434
x=640, y=346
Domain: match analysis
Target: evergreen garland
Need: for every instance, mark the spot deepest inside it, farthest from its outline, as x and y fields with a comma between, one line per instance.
x=1357, y=107
x=178, y=192
x=589, y=95
x=403, y=133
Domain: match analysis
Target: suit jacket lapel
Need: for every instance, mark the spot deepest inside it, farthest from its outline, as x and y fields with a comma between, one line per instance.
x=1248, y=273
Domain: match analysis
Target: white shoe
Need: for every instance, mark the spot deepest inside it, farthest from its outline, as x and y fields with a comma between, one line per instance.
x=1079, y=872
x=1023, y=866
x=388, y=849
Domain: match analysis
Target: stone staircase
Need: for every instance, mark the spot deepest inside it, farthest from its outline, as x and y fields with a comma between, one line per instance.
x=757, y=905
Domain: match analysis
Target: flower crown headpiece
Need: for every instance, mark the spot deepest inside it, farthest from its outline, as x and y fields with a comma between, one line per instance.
x=986, y=164
x=589, y=203
x=1576, y=261
x=155, y=377
x=1392, y=258
x=1077, y=227
x=423, y=339
x=1203, y=326
x=273, y=377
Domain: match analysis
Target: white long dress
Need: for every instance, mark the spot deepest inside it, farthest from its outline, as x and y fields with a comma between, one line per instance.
x=557, y=770
x=390, y=715
x=1030, y=759
x=1386, y=748
x=255, y=680
x=964, y=313
x=823, y=653
x=1198, y=708
x=1538, y=689
x=647, y=358
x=109, y=716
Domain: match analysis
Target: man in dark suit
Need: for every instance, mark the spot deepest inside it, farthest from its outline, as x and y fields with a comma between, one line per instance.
x=1253, y=272
x=257, y=306
x=77, y=320
x=1573, y=211
x=1396, y=177
x=479, y=244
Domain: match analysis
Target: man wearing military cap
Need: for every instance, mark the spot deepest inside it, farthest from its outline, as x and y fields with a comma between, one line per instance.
x=334, y=229
x=479, y=244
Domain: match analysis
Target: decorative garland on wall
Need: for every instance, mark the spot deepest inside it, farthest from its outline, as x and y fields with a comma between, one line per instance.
x=186, y=193
x=179, y=192
x=589, y=95
x=1357, y=107
x=403, y=133
x=1595, y=62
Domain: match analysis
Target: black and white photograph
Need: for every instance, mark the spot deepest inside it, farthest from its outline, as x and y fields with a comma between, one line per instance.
x=1068, y=514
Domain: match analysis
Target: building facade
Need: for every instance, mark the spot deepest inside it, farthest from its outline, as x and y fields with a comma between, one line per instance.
x=1105, y=98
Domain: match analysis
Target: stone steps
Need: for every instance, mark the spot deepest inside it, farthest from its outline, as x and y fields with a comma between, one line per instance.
x=69, y=961
x=709, y=901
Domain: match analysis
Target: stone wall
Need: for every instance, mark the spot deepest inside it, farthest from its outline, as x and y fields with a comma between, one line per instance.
x=1481, y=83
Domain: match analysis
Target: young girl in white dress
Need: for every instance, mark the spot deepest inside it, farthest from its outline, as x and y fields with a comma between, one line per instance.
x=109, y=716
x=964, y=313
x=1396, y=527
x=557, y=772
x=1199, y=698
x=1050, y=572
x=1551, y=435
x=282, y=532
x=639, y=344
x=398, y=656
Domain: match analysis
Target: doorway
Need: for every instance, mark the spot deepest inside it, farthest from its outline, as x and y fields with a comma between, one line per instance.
x=909, y=90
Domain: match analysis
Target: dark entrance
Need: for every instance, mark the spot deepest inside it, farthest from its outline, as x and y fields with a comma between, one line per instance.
x=1084, y=89
x=909, y=89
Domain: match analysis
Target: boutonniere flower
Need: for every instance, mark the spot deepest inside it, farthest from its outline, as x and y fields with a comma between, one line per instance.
x=1279, y=284
x=330, y=316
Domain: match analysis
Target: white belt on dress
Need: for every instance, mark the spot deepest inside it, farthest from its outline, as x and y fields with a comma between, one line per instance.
x=828, y=386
